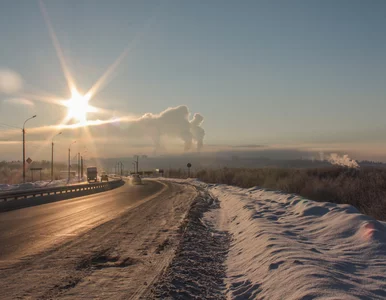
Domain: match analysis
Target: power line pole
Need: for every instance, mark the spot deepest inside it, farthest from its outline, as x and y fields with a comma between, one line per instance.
x=121, y=168
x=136, y=163
x=78, y=166
x=52, y=156
x=23, y=155
x=69, y=165
x=69, y=160
x=81, y=166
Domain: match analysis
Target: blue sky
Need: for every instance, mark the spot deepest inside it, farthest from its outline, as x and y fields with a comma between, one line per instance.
x=263, y=72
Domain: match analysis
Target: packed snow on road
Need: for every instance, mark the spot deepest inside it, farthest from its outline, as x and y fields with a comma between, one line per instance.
x=283, y=246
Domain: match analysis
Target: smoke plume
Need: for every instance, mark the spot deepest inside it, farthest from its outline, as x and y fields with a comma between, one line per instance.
x=344, y=160
x=173, y=122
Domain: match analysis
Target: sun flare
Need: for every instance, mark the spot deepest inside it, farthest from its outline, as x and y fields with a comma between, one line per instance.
x=78, y=107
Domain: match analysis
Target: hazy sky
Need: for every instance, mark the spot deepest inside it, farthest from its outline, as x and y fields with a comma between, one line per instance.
x=260, y=72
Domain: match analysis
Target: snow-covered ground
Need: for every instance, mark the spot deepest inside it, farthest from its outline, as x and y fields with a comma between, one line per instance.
x=39, y=184
x=286, y=247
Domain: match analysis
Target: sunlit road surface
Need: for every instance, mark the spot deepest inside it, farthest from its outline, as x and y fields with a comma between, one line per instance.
x=112, y=245
x=31, y=230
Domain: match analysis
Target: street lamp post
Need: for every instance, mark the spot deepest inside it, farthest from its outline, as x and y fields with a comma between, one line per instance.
x=82, y=162
x=52, y=156
x=24, y=146
x=69, y=160
x=136, y=164
x=78, y=167
x=121, y=167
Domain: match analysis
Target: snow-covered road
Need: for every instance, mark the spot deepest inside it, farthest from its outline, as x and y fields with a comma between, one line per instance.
x=117, y=257
x=232, y=243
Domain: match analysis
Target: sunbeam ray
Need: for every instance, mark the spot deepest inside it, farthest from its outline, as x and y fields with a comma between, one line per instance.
x=58, y=49
x=109, y=71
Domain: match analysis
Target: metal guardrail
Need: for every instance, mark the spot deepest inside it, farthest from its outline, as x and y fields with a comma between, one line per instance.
x=14, y=195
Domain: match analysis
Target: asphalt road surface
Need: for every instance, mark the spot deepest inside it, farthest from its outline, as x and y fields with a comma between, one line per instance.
x=30, y=230
x=111, y=245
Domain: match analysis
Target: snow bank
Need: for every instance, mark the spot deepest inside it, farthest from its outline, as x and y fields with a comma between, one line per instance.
x=287, y=247
x=39, y=184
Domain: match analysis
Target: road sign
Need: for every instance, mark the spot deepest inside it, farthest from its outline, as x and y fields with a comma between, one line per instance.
x=189, y=165
x=28, y=160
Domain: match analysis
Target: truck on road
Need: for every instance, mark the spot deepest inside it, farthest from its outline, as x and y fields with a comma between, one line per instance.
x=92, y=174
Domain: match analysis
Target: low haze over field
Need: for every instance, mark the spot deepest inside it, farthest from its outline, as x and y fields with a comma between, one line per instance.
x=169, y=77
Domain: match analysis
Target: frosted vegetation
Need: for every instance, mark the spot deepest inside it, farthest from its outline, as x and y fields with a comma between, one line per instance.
x=363, y=188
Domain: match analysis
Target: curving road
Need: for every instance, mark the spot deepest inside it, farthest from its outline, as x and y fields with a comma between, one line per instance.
x=31, y=230
x=111, y=245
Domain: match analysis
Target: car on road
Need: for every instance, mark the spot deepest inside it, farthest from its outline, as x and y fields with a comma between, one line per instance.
x=136, y=179
x=104, y=177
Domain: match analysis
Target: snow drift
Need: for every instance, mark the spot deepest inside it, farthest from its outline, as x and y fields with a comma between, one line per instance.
x=288, y=247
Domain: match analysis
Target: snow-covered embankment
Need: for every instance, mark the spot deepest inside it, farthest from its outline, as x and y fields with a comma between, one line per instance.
x=40, y=184
x=287, y=247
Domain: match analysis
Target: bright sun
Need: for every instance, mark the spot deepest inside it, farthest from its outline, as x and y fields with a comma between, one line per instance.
x=78, y=107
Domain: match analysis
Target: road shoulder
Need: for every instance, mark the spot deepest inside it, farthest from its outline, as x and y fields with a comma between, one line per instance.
x=198, y=268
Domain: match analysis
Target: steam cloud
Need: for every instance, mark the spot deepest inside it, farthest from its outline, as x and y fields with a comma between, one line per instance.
x=344, y=160
x=173, y=122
